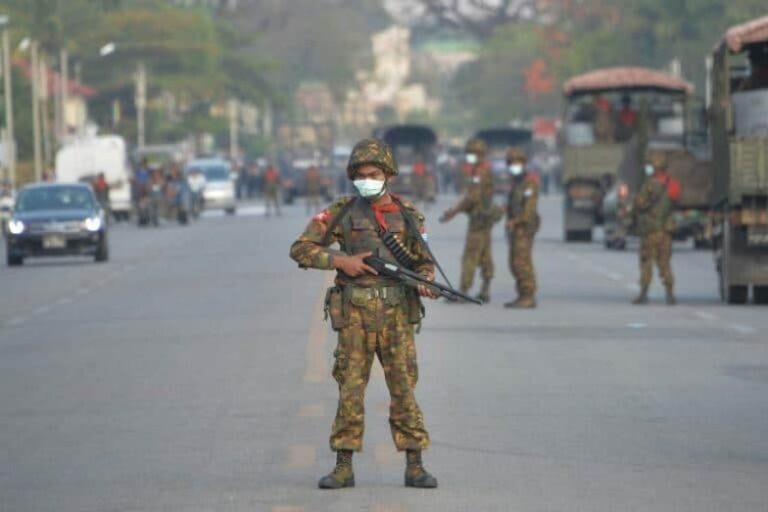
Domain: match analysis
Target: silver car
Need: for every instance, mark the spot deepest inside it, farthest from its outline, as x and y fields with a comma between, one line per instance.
x=219, y=191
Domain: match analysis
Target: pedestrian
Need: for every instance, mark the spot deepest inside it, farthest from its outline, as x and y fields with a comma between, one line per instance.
x=373, y=315
x=652, y=211
x=313, y=188
x=477, y=203
x=523, y=222
x=101, y=189
x=272, y=190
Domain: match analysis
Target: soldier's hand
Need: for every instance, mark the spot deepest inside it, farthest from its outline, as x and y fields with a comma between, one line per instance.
x=426, y=291
x=353, y=265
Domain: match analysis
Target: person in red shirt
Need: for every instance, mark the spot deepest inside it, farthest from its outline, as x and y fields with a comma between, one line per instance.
x=272, y=190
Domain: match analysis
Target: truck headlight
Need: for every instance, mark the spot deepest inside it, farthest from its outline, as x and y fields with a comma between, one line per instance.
x=15, y=227
x=92, y=224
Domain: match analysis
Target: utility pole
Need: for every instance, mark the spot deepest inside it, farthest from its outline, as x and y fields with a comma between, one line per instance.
x=38, y=151
x=10, y=142
x=45, y=126
x=141, y=103
x=64, y=92
x=234, y=146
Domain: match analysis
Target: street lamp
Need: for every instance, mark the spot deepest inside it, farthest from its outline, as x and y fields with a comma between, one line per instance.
x=107, y=49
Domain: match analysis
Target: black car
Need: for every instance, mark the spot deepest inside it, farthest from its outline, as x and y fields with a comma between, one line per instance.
x=56, y=220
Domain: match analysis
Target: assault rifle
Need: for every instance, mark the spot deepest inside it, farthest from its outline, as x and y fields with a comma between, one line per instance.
x=413, y=279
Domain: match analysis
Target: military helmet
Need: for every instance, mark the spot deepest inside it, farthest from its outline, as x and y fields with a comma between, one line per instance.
x=658, y=159
x=517, y=154
x=372, y=152
x=476, y=146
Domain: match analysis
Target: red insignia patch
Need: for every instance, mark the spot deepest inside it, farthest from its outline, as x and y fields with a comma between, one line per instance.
x=323, y=216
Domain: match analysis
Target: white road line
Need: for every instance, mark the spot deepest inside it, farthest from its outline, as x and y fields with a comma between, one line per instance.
x=743, y=329
x=41, y=310
x=633, y=287
x=615, y=276
x=16, y=321
x=704, y=315
x=637, y=325
x=64, y=300
x=83, y=291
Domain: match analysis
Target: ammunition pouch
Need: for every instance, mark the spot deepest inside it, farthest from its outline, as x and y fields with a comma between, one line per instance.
x=334, y=308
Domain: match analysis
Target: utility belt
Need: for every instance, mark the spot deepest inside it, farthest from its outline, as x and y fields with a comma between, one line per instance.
x=339, y=298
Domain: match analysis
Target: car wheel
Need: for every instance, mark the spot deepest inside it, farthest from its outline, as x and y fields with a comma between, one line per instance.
x=230, y=211
x=14, y=261
x=102, y=253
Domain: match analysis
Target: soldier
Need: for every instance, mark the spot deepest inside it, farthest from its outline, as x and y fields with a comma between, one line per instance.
x=652, y=210
x=477, y=203
x=272, y=190
x=522, y=224
x=373, y=315
x=313, y=188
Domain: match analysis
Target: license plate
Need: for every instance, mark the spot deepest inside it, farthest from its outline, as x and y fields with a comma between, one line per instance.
x=54, y=242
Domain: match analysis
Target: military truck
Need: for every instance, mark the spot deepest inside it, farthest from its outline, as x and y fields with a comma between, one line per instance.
x=599, y=117
x=670, y=121
x=412, y=144
x=739, y=132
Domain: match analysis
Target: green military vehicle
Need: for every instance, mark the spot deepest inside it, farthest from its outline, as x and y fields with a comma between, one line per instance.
x=739, y=131
x=600, y=117
x=670, y=121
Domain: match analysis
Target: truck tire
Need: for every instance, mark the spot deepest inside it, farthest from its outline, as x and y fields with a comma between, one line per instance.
x=737, y=294
x=761, y=294
x=102, y=253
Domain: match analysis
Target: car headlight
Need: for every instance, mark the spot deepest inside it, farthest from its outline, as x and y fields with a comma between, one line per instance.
x=92, y=223
x=15, y=227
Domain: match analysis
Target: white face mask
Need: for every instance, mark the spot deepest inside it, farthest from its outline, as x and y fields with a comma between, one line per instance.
x=515, y=169
x=471, y=158
x=648, y=170
x=369, y=188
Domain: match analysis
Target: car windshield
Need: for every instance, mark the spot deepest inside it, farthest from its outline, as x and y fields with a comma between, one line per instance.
x=55, y=198
x=216, y=173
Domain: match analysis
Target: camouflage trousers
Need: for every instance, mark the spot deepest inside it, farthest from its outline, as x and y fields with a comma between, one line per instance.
x=313, y=202
x=272, y=201
x=376, y=329
x=477, y=253
x=521, y=262
x=656, y=248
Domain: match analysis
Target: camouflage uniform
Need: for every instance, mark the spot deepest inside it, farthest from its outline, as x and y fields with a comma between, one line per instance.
x=313, y=189
x=477, y=203
x=523, y=212
x=373, y=315
x=652, y=209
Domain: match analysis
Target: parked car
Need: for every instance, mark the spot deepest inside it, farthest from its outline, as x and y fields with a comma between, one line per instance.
x=55, y=219
x=219, y=192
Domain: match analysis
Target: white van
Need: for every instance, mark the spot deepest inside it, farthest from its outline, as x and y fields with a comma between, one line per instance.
x=84, y=158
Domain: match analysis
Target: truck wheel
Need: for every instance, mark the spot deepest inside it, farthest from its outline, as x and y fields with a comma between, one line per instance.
x=761, y=294
x=737, y=294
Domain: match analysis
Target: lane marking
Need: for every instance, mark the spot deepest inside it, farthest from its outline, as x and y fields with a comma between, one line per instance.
x=316, y=355
x=41, y=310
x=633, y=287
x=312, y=411
x=83, y=291
x=64, y=300
x=637, y=325
x=386, y=455
x=705, y=315
x=743, y=329
x=389, y=508
x=301, y=456
x=13, y=322
x=615, y=276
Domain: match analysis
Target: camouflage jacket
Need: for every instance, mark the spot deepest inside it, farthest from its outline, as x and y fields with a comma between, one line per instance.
x=477, y=203
x=652, y=208
x=523, y=204
x=355, y=234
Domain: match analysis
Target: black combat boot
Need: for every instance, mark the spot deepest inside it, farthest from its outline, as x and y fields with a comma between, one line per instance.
x=485, y=293
x=671, y=300
x=342, y=475
x=415, y=474
x=642, y=298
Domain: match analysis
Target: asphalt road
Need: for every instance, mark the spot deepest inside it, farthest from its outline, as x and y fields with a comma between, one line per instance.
x=191, y=373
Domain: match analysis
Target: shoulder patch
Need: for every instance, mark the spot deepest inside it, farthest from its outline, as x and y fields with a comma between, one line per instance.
x=322, y=217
